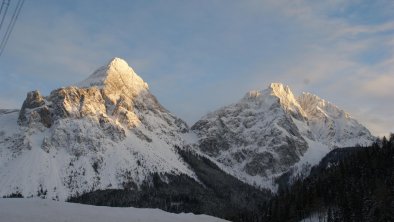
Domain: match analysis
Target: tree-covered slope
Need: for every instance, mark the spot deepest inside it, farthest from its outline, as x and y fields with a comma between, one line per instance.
x=352, y=184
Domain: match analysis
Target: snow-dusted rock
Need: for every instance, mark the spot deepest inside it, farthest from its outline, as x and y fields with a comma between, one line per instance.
x=330, y=125
x=270, y=132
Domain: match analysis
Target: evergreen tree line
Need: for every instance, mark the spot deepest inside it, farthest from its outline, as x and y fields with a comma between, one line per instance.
x=357, y=186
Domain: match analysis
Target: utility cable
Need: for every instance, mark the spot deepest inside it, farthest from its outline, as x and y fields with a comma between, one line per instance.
x=11, y=25
x=5, y=3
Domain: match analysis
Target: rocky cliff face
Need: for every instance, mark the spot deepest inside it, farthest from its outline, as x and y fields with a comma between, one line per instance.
x=107, y=132
x=270, y=132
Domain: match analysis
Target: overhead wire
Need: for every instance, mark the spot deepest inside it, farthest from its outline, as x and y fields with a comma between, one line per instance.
x=11, y=25
x=5, y=3
x=2, y=6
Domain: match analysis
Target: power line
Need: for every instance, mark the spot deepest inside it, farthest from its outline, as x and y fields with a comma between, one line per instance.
x=11, y=25
x=5, y=3
x=1, y=7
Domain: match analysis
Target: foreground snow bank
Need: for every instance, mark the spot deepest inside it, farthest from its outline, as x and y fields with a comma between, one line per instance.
x=38, y=210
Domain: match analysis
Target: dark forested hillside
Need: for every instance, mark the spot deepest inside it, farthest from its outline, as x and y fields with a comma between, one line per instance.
x=218, y=194
x=350, y=184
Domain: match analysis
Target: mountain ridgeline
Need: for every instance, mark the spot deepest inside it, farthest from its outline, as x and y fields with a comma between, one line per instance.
x=108, y=141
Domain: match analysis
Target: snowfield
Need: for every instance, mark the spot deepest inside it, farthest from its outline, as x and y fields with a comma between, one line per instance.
x=39, y=210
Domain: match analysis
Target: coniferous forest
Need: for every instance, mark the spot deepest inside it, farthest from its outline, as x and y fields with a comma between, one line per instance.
x=350, y=184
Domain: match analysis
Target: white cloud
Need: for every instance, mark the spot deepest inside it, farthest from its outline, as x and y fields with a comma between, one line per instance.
x=382, y=86
x=63, y=50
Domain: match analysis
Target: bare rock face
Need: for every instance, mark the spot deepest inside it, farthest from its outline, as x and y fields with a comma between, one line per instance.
x=106, y=131
x=270, y=132
x=33, y=100
x=34, y=111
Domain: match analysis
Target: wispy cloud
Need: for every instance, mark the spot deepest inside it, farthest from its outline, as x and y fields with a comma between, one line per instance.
x=198, y=56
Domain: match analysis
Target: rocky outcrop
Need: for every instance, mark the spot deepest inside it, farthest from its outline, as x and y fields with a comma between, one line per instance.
x=34, y=110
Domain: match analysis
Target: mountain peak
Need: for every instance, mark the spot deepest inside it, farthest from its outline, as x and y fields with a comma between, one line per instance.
x=118, y=62
x=274, y=89
x=116, y=78
x=286, y=97
x=116, y=73
x=280, y=90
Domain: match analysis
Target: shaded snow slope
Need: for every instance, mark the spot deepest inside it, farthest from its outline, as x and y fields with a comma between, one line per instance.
x=109, y=133
x=38, y=210
x=272, y=131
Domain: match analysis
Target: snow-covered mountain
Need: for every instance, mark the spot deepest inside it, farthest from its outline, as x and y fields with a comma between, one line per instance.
x=108, y=132
x=270, y=132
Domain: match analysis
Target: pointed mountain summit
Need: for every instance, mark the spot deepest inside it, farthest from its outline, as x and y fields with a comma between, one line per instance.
x=270, y=132
x=116, y=78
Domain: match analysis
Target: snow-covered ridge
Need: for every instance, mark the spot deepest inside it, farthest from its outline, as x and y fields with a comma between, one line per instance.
x=312, y=104
x=271, y=131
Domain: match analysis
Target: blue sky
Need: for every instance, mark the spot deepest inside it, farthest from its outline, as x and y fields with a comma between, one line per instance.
x=200, y=55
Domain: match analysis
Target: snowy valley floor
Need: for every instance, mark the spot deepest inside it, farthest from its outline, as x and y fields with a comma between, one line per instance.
x=39, y=210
